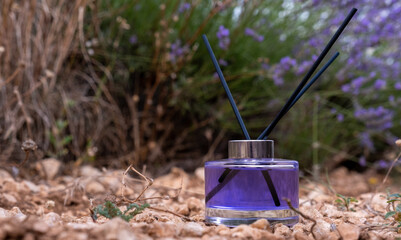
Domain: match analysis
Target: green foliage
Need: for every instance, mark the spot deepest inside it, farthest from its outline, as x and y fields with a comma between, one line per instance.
x=58, y=139
x=188, y=87
x=110, y=210
x=394, y=207
x=345, y=202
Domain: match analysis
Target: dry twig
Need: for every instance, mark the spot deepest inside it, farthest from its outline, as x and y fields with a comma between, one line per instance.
x=171, y=212
x=303, y=215
x=149, y=182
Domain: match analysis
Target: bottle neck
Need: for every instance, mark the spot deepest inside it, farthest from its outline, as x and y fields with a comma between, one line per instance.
x=250, y=149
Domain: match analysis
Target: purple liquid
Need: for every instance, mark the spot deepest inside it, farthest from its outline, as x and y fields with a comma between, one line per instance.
x=248, y=190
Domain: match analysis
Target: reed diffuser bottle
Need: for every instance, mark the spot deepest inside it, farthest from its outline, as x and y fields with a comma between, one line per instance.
x=251, y=184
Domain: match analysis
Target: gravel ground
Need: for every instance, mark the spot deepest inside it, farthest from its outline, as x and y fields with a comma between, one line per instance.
x=58, y=207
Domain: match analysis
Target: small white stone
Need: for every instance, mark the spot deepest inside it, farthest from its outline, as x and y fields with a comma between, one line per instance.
x=192, y=229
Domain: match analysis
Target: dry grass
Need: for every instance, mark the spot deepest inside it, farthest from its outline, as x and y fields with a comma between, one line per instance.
x=39, y=46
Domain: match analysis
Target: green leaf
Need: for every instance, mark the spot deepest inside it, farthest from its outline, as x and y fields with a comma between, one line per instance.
x=392, y=200
x=398, y=208
x=395, y=195
x=61, y=124
x=66, y=140
x=339, y=201
x=354, y=200
x=341, y=196
x=389, y=214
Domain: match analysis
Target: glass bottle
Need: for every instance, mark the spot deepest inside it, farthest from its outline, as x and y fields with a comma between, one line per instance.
x=251, y=184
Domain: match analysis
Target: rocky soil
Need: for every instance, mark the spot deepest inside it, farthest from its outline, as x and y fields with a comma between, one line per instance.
x=58, y=207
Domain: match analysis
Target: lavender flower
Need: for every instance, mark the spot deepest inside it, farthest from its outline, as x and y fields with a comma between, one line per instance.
x=375, y=119
x=133, y=39
x=223, y=62
x=382, y=164
x=362, y=161
x=340, y=117
x=380, y=84
x=265, y=66
x=366, y=141
x=177, y=51
x=354, y=86
x=184, y=7
x=250, y=32
x=223, y=34
x=286, y=63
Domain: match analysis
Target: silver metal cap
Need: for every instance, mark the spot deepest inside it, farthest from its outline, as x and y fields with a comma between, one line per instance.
x=251, y=149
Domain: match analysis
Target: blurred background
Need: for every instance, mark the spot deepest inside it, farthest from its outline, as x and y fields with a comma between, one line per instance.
x=110, y=83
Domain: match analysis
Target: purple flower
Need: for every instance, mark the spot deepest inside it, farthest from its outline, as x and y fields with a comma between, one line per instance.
x=340, y=117
x=346, y=88
x=184, y=7
x=364, y=139
x=278, y=81
x=253, y=34
x=362, y=161
x=391, y=99
x=303, y=67
x=382, y=164
x=265, y=66
x=249, y=32
x=177, y=51
x=215, y=75
x=286, y=63
x=397, y=85
x=223, y=36
x=354, y=86
x=380, y=84
x=375, y=119
x=223, y=62
x=133, y=39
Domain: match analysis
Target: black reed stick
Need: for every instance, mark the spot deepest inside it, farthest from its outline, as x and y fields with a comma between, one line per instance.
x=270, y=128
x=313, y=80
x=229, y=174
x=225, y=86
x=238, y=116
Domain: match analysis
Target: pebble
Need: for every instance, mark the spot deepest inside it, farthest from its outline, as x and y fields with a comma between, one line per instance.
x=349, y=231
x=192, y=229
x=321, y=229
x=16, y=212
x=222, y=230
x=10, y=199
x=183, y=209
x=94, y=187
x=52, y=219
x=31, y=186
x=200, y=173
x=301, y=236
x=89, y=171
x=4, y=174
x=10, y=185
x=282, y=230
x=40, y=227
x=48, y=168
x=262, y=224
x=162, y=230
x=194, y=204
